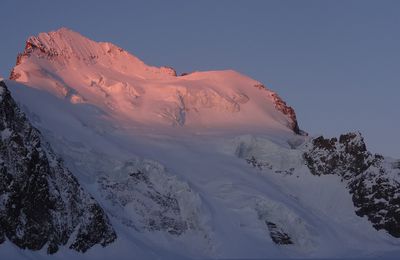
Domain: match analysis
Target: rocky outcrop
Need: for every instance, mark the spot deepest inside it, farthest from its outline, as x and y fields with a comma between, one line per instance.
x=347, y=157
x=284, y=226
x=373, y=182
x=41, y=202
x=168, y=70
x=144, y=197
x=265, y=165
x=278, y=235
x=159, y=212
x=31, y=45
x=285, y=109
x=288, y=111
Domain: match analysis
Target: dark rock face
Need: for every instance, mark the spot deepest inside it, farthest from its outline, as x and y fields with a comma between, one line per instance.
x=285, y=109
x=288, y=111
x=378, y=197
x=373, y=184
x=41, y=202
x=346, y=157
x=278, y=235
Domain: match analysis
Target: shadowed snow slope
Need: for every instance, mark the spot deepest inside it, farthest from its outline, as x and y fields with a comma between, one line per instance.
x=210, y=164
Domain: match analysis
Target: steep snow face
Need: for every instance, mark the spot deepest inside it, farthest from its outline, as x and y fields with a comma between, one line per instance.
x=127, y=90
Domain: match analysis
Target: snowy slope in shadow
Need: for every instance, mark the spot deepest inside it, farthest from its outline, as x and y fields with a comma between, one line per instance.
x=234, y=200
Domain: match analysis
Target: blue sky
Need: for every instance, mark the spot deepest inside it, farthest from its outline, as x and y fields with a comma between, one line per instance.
x=336, y=62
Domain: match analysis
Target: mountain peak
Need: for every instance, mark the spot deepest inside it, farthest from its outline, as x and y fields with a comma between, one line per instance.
x=65, y=48
x=80, y=70
x=69, y=44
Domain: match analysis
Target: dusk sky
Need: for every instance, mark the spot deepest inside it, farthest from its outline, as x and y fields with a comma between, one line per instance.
x=336, y=62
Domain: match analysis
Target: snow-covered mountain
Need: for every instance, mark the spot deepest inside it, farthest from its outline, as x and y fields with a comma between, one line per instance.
x=73, y=67
x=206, y=164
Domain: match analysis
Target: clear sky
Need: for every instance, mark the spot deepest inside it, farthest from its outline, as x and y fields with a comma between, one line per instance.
x=336, y=62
